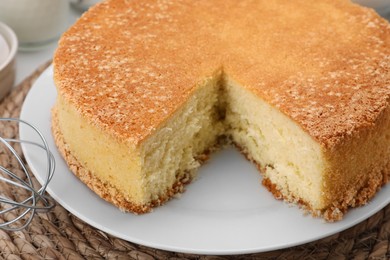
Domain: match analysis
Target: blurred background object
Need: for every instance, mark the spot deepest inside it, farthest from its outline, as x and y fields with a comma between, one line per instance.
x=36, y=22
x=8, y=48
x=381, y=6
x=83, y=5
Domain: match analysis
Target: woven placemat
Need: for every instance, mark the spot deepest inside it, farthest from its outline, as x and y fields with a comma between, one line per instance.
x=60, y=235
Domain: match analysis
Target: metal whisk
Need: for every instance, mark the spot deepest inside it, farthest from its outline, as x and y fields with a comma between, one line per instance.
x=21, y=213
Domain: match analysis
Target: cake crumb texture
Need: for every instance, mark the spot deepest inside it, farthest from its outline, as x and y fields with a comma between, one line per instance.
x=106, y=190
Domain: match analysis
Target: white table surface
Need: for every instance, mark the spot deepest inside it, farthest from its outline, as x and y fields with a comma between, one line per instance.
x=28, y=62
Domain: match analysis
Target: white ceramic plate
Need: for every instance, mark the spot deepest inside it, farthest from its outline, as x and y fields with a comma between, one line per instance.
x=225, y=211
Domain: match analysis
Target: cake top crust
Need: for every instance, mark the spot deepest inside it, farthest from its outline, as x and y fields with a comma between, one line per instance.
x=128, y=65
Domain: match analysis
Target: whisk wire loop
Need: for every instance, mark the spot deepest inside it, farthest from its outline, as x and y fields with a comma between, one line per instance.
x=17, y=215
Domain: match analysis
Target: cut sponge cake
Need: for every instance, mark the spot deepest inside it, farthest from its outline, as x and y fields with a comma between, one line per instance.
x=147, y=89
x=136, y=178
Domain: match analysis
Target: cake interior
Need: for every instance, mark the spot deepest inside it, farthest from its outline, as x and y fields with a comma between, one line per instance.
x=288, y=157
x=137, y=178
x=172, y=154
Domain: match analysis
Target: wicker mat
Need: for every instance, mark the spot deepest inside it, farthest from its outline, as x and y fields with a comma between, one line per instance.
x=60, y=235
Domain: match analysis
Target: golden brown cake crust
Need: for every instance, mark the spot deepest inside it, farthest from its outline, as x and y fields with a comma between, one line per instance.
x=361, y=196
x=325, y=64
